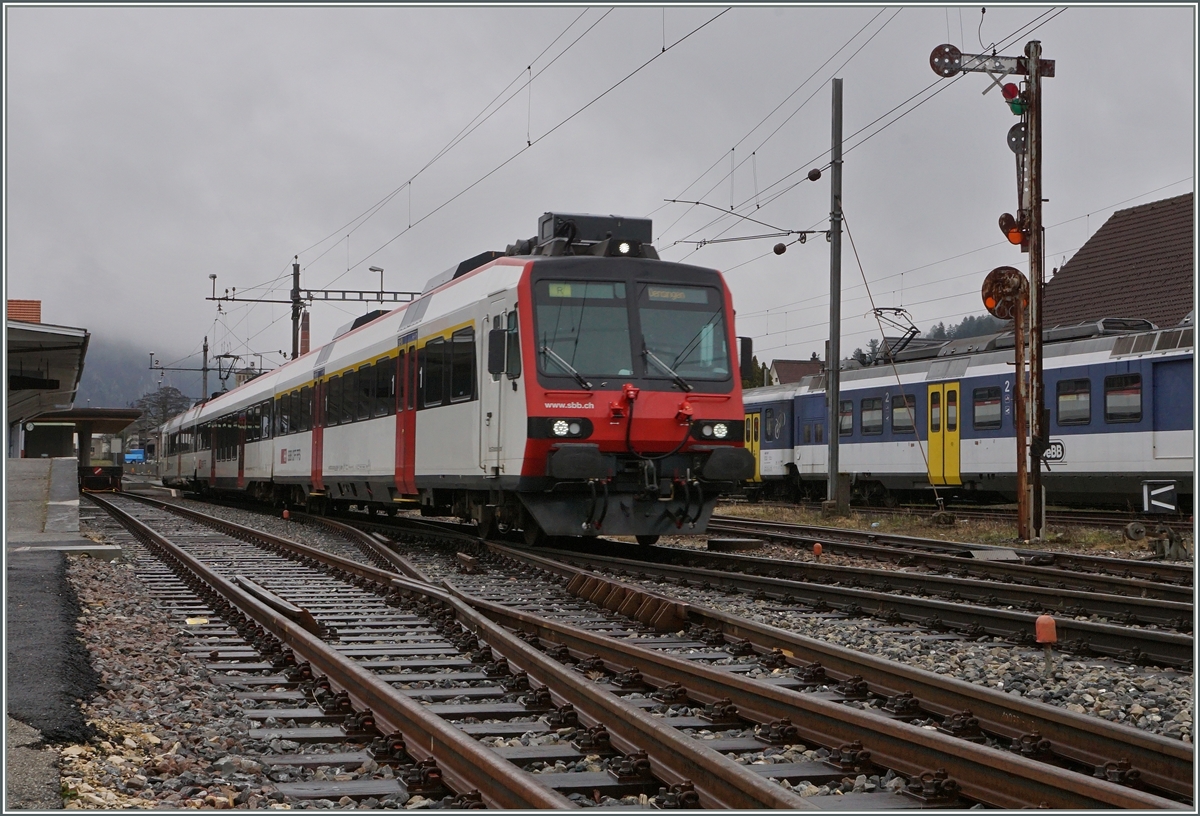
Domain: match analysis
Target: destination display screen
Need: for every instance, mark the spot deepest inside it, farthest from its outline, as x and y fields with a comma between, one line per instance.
x=677, y=294
x=591, y=291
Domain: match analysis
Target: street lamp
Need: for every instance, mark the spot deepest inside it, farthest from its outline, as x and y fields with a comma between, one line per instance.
x=379, y=269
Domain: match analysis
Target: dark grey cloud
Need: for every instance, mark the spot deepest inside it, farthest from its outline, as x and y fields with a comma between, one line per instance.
x=150, y=147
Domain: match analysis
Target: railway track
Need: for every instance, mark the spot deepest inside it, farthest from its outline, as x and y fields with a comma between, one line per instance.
x=1097, y=519
x=676, y=764
x=1078, y=741
x=1083, y=572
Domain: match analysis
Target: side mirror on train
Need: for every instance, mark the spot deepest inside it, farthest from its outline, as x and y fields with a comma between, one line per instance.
x=746, y=354
x=496, y=350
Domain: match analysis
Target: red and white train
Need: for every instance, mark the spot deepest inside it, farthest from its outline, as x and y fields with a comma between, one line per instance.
x=575, y=385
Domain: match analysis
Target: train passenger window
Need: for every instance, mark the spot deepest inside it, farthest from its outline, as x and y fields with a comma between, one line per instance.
x=401, y=380
x=385, y=387
x=904, y=412
x=252, y=423
x=296, y=417
x=306, y=408
x=333, y=401
x=818, y=432
x=769, y=425
x=846, y=418
x=433, y=373
x=1123, y=398
x=871, y=416
x=366, y=391
x=1074, y=402
x=951, y=410
x=265, y=420
x=413, y=375
x=989, y=413
x=806, y=434
x=512, y=362
x=462, y=365
x=349, y=396
x=285, y=414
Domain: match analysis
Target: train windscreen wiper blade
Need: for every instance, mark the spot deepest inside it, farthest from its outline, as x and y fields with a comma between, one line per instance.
x=570, y=369
x=680, y=381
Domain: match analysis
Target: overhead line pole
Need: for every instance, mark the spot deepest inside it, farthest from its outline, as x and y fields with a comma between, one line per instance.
x=299, y=295
x=1038, y=420
x=833, y=361
x=296, y=307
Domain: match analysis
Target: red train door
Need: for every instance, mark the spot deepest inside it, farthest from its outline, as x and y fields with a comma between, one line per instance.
x=316, y=472
x=406, y=420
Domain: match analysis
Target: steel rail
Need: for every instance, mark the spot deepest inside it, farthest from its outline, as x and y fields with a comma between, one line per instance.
x=465, y=763
x=1127, y=610
x=1165, y=764
x=675, y=757
x=1160, y=648
x=959, y=560
x=1100, y=519
x=1148, y=567
x=983, y=774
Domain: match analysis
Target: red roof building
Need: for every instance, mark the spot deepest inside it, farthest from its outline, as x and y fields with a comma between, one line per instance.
x=792, y=371
x=1140, y=263
x=26, y=311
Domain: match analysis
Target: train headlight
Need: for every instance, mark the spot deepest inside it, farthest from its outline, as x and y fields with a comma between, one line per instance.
x=559, y=428
x=623, y=247
x=717, y=430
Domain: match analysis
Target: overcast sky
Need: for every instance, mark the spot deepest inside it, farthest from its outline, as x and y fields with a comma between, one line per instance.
x=147, y=148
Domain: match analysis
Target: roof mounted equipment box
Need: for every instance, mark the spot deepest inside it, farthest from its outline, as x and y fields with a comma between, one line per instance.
x=591, y=229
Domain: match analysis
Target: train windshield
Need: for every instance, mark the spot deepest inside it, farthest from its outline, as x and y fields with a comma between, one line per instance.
x=583, y=329
x=684, y=328
x=596, y=330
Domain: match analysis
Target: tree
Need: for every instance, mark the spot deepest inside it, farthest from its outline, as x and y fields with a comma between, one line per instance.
x=868, y=357
x=158, y=406
x=971, y=326
x=751, y=378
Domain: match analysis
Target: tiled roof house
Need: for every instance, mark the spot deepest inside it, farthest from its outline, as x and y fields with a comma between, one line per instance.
x=1140, y=263
x=792, y=371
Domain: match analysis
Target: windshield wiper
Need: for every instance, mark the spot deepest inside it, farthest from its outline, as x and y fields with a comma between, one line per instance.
x=567, y=367
x=680, y=381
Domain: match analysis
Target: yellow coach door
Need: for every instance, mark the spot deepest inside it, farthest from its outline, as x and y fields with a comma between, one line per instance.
x=752, y=443
x=943, y=429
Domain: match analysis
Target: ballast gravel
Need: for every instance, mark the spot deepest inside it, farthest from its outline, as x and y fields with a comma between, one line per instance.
x=167, y=738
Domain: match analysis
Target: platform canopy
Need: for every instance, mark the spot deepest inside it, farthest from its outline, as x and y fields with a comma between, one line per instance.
x=97, y=420
x=44, y=364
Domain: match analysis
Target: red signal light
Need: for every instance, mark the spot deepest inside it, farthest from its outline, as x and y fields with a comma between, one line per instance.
x=1011, y=228
x=1010, y=91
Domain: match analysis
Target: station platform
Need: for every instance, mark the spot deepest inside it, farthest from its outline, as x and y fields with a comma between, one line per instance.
x=42, y=509
x=48, y=669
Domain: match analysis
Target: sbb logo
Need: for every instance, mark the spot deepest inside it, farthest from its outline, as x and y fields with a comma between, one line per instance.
x=1056, y=451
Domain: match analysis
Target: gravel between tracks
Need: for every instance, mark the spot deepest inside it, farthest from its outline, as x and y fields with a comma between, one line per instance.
x=1159, y=700
x=170, y=739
